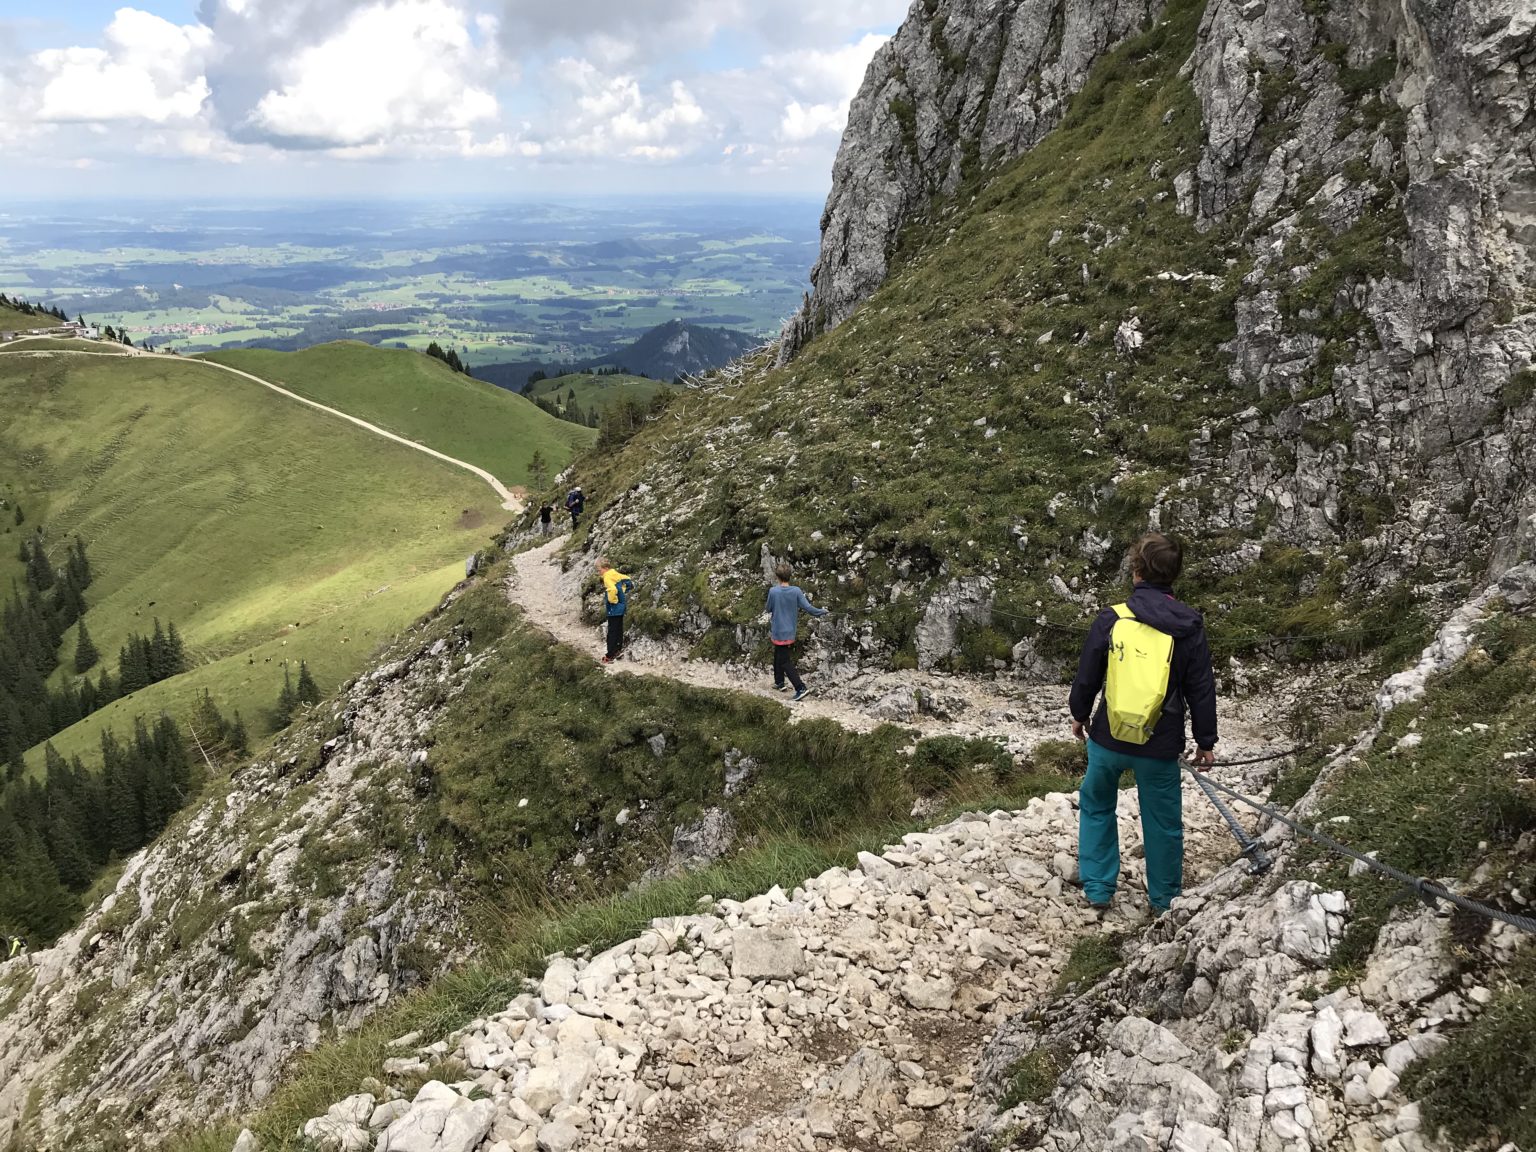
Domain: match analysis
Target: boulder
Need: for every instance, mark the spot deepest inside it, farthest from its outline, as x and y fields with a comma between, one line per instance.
x=929, y=995
x=765, y=954
x=439, y=1120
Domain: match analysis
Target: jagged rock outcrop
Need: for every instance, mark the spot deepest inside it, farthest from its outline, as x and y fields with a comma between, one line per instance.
x=1379, y=158
x=961, y=85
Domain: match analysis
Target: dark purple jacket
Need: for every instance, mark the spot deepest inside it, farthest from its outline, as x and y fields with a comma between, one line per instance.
x=1191, y=683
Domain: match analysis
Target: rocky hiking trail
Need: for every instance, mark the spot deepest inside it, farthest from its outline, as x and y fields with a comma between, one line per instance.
x=845, y=1014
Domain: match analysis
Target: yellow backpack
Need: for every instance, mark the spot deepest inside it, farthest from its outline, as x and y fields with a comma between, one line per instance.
x=1140, y=658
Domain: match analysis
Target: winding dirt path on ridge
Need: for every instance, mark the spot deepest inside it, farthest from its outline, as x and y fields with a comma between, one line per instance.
x=508, y=501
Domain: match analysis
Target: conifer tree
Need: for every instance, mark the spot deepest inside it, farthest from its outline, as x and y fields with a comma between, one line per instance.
x=239, y=739
x=175, y=651
x=21, y=517
x=78, y=566
x=308, y=692
x=15, y=764
x=86, y=654
x=286, y=700
x=39, y=571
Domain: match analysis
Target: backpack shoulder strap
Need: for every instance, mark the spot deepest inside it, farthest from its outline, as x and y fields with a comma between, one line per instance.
x=1124, y=612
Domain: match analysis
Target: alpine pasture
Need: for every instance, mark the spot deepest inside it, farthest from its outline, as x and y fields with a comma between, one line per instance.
x=267, y=531
x=422, y=399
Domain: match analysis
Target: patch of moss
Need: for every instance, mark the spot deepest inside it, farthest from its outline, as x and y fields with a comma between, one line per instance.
x=1094, y=956
x=1032, y=1079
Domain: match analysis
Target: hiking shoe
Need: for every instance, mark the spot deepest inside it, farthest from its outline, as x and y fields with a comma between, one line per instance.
x=780, y=687
x=607, y=659
x=801, y=695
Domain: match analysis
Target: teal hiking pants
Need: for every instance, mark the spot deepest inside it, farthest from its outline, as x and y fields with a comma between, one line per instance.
x=1162, y=825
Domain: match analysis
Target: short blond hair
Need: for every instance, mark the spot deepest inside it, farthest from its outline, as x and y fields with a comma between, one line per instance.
x=783, y=571
x=602, y=564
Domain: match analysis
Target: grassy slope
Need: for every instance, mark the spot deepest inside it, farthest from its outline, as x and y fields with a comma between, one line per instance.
x=422, y=399
x=265, y=530
x=51, y=344
x=13, y=321
x=599, y=390
x=974, y=417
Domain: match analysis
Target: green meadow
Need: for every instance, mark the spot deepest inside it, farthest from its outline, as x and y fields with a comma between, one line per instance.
x=422, y=399
x=267, y=531
x=53, y=344
x=597, y=391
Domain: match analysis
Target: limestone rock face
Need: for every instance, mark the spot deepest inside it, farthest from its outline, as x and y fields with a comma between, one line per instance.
x=1440, y=164
x=961, y=84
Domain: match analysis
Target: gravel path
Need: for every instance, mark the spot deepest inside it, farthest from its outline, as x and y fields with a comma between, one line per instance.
x=845, y=1014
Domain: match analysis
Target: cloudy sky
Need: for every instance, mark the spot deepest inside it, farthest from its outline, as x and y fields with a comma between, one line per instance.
x=421, y=97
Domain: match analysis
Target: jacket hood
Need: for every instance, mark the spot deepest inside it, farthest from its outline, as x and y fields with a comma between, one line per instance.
x=1155, y=604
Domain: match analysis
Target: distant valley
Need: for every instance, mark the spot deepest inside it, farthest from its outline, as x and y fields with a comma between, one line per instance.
x=520, y=284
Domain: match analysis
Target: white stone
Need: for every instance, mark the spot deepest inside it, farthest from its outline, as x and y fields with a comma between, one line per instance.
x=1362, y=1028
x=559, y=981
x=335, y=1135
x=439, y=1120
x=1381, y=1081
x=765, y=954
x=822, y=1120
x=387, y=1113
x=557, y=1137
x=929, y=995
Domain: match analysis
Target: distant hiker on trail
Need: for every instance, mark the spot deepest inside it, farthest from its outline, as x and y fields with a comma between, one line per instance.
x=12, y=946
x=785, y=603
x=575, y=504
x=1151, y=657
x=616, y=590
x=546, y=510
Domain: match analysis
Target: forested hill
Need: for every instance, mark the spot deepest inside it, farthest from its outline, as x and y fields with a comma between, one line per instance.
x=666, y=353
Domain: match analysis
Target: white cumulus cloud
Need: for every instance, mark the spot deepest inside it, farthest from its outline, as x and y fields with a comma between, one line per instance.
x=391, y=72
x=732, y=88
x=824, y=83
x=149, y=69
x=594, y=114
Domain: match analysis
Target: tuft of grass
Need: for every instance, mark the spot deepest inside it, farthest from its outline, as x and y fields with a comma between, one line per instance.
x=1094, y=956
x=1483, y=1084
x=1060, y=757
x=1032, y=1079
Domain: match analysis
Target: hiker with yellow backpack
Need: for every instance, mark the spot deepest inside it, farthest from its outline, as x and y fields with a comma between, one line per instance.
x=1151, y=659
